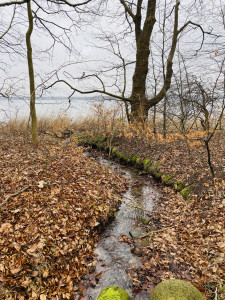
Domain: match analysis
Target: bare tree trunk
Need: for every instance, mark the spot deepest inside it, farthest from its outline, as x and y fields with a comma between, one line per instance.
x=154, y=121
x=182, y=124
x=33, y=115
x=164, y=117
x=127, y=111
x=209, y=158
x=140, y=104
x=139, y=109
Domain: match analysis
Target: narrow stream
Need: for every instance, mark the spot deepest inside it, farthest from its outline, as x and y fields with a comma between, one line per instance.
x=114, y=257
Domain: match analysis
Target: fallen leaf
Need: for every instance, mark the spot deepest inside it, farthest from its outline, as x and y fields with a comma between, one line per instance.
x=41, y=184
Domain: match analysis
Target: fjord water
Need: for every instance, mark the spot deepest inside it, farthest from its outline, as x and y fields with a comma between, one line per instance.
x=76, y=108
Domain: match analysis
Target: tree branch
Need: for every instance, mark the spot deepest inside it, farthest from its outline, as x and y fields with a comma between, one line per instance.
x=169, y=70
x=128, y=10
x=137, y=20
x=69, y=3
x=88, y=92
x=13, y=2
x=10, y=25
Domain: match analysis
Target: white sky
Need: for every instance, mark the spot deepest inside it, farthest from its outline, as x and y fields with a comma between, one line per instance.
x=92, y=59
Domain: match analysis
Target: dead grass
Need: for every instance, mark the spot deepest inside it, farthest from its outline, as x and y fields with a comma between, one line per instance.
x=14, y=127
x=21, y=127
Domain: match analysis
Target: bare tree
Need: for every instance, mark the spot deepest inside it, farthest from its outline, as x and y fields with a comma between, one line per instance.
x=45, y=23
x=141, y=18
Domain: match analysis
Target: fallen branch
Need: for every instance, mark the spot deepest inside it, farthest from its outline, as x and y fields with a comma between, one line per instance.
x=155, y=231
x=15, y=194
x=216, y=294
x=23, y=190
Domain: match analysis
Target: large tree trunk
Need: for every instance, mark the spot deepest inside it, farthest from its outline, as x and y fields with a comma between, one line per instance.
x=140, y=104
x=139, y=109
x=33, y=115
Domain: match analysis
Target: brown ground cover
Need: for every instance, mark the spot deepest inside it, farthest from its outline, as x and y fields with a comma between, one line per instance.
x=52, y=199
x=185, y=241
x=174, y=159
x=186, y=237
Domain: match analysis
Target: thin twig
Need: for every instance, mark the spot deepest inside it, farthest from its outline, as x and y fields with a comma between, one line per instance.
x=15, y=194
x=216, y=294
x=152, y=232
x=21, y=191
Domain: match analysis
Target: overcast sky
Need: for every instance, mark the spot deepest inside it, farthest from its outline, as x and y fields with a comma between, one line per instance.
x=89, y=56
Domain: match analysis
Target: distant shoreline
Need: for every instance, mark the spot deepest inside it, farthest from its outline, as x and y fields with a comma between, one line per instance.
x=26, y=98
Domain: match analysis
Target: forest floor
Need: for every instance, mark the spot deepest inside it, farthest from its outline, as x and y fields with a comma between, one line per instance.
x=185, y=164
x=53, y=199
x=186, y=237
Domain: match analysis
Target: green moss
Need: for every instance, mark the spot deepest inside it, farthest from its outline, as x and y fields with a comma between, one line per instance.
x=114, y=152
x=99, y=139
x=146, y=164
x=83, y=139
x=185, y=193
x=154, y=166
x=139, y=162
x=133, y=160
x=122, y=156
x=175, y=289
x=113, y=293
x=156, y=175
x=154, y=170
x=99, y=142
x=168, y=180
x=179, y=186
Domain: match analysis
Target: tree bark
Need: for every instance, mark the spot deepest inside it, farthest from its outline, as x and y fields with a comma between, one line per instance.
x=154, y=121
x=33, y=115
x=164, y=117
x=209, y=158
x=140, y=104
x=139, y=101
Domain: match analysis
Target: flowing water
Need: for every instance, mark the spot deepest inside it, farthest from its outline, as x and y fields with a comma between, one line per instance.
x=114, y=257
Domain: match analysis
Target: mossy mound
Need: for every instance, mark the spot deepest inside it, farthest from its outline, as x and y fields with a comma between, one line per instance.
x=133, y=159
x=155, y=166
x=123, y=157
x=156, y=175
x=185, y=193
x=175, y=289
x=139, y=162
x=146, y=164
x=168, y=180
x=113, y=293
x=114, y=151
x=179, y=186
